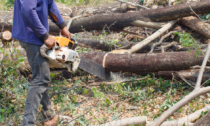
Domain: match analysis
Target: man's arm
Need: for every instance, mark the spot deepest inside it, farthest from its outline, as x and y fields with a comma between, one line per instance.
x=28, y=11
x=57, y=18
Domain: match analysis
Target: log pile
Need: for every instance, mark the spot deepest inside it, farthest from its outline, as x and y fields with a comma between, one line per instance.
x=166, y=58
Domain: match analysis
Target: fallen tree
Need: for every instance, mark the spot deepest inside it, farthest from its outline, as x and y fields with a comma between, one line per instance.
x=114, y=21
x=145, y=62
x=197, y=25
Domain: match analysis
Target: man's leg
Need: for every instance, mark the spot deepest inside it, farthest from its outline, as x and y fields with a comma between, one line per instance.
x=37, y=92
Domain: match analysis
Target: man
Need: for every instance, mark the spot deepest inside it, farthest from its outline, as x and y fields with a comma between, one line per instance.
x=30, y=27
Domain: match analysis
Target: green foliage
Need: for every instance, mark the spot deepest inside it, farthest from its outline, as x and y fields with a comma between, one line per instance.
x=188, y=41
x=13, y=86
x=6, y=4
x=97, y=93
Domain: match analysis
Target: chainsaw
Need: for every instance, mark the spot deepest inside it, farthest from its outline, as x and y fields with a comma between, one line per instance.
x=63, y=54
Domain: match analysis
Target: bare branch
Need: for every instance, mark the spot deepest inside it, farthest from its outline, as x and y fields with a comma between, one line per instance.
x=198, y=83
x=185, y=80
x=161, y=40
x=152, y=37
x=198, y=67
x=149, y=24
x=167, y=46
x=195, y=93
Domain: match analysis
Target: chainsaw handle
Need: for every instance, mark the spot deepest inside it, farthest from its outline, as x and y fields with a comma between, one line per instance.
x=75, y=43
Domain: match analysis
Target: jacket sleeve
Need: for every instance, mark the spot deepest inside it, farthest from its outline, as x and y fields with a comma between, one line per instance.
x=55, y=14
x=28, y=9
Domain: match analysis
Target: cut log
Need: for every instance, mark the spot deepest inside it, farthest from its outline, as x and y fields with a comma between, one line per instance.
x=197, y=25
x=119, y=21
x=145, y=62
x=6, y=35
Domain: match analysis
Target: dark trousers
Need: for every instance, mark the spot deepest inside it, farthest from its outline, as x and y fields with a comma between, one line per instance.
x=37, y=93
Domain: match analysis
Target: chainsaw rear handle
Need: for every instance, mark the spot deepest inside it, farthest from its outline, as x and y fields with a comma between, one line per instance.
x=75, y=43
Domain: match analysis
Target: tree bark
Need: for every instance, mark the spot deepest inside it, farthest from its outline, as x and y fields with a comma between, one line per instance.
x=121, y=20
x=145, y=62
x=197, y=25
x=204, y=121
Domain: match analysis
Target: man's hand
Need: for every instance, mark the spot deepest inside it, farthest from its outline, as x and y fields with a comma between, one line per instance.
x=65, y=32
x=50, y=42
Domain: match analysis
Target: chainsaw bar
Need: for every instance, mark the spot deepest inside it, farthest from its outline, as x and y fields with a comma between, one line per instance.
x=94, y=68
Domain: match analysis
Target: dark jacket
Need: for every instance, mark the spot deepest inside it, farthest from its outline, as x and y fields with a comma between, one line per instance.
x=30, y=21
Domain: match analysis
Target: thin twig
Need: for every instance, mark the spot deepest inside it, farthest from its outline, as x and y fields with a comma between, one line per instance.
x=137, y=5
x=198, y=67
x=64, y=91
x=3, y=106
x=166, y=47
x=205, y=82
x=185, y=80
x=161, y=40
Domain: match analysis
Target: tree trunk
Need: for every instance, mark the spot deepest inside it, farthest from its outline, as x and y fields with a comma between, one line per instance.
x=145, y=62
x=197, y=25
x=121, y=20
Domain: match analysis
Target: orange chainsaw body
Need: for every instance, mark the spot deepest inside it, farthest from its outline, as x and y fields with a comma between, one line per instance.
x=63, y=41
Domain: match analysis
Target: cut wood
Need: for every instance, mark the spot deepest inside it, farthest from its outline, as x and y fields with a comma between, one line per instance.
x=145, y=62
x=6, y=35
x=141, y=62
x=197, y=25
